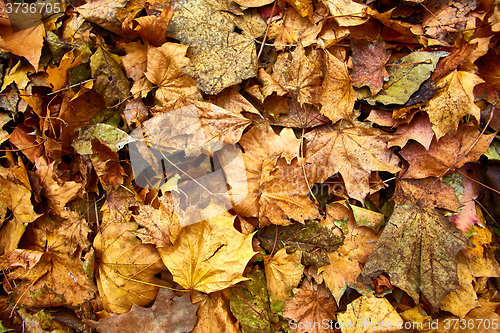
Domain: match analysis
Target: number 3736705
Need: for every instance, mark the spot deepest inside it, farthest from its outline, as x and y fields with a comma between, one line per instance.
x=471, y=324
x=31, y=8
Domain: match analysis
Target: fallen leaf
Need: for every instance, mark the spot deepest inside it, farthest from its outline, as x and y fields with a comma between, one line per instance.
x=253, y=291
x=17, y=42
x=453, y=102
x=369, y=60
x=347, y=13
x=307, y=238
x=169, y=313
x=220, y=57
x=114, y=138
x=370, y=313
x=214, y=316
x=406, y=76
x=284, y=193
x=427, y=192
x=18, y=74
x=110, y=80
x=346, y=261
x=293, y=28
x=419, y=129
x=103, y=13
x=337, y=95
x=417, y=249
x=303, y=7
x=283, y=272
x=203, y=248
x=311, y=304
x=352, y=151
x=164, y=69
x=450, y=152
x=368, y=218
x=299, y=74
x=151, y=28
x=253, y=3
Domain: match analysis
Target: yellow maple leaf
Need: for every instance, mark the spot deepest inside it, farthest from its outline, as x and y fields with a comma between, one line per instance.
x=283, y=272
x=210, y=255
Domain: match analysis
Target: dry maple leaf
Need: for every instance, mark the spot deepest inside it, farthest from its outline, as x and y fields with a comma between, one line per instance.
x=260, y=143
x=164, y=69
x=300, y=74
x=337, y=95
x=283, y=272
x=418, y=249
x=453, y=102
x=354, y=152
x=369, y=61
x=169, y=313
x=450, y=152
x=311, y=303
x=151, y=28
x=428, y=192
x=284, y=193
x=210, y=255
x=346, y=261
x=369, y=309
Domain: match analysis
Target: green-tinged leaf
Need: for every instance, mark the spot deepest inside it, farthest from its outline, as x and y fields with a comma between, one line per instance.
x=253, y=292
x=406, y=76
x=418, y=249
x=368, y=218
x=110, y=80
x=493, y=152
x=314, y=239
x=114, y=138
x=4, y=329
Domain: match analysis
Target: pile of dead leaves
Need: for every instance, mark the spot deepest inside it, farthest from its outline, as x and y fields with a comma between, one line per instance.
x=250, y=166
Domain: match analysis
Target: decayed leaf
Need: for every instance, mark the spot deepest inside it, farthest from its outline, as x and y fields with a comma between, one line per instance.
x=260, y=143
x=406, y=76
x=373, y=312
x=220, y=57
x=114, y=138
x=16, y=196
x=450, y=152
x=195, y=260
x=428, y=192
x=310, y=304
x=122, y=258
x=110, y=80
x=337, y=95
x=453, y=102
x=367, y=218
x=214, y=316
x=347, y=12
x=164, y=69
x=353, y=152
x=307, y=238
x=283, y=272
x=25, y=43
x=420, y=130
x=346, y=261
x=418, y=249
x=169, y=313
x=369, y=61
x=284, y=193
x=254, y=291
x=301, y=75
x=493, y=152
x=480, y=255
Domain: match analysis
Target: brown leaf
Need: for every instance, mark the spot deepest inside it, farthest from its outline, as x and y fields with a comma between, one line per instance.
x=337, y=95
x=25, y=43
x=369, y=61
x=283, y=272
x=311, y=303
x=169, y=313
x=300, y=74
x=151, y=28
x=449, y=153
x=419, y=129
x=214, y=315
x=427, y=192
x=353, y=152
